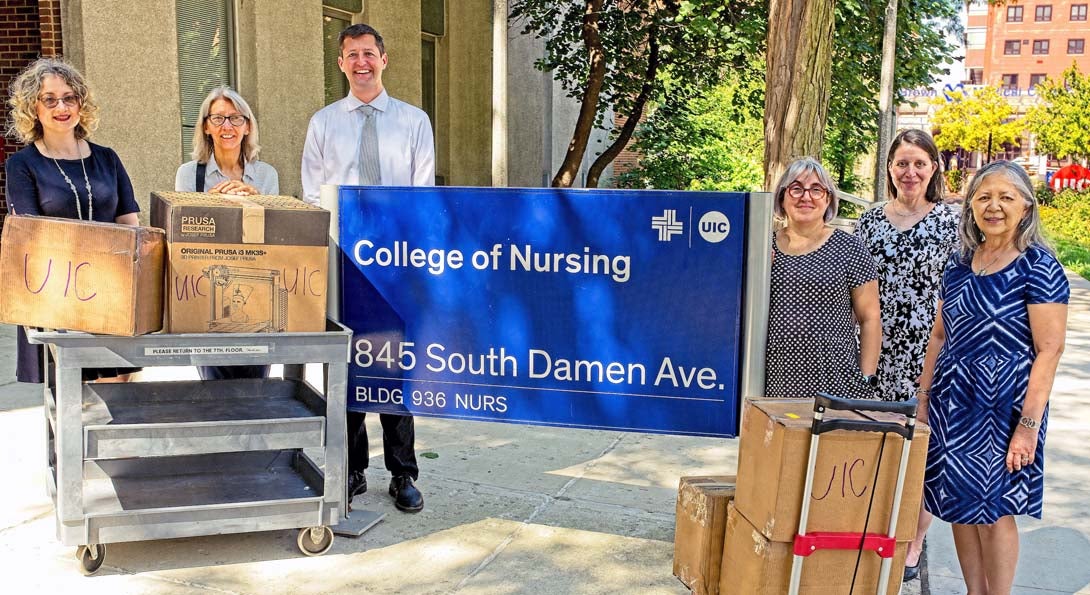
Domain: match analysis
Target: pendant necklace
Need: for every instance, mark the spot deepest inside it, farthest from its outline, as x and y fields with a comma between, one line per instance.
x=86, y=180
x=984, y=269
x=906, y=212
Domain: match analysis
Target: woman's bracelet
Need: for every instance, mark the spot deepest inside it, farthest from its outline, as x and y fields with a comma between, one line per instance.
x=923, y=391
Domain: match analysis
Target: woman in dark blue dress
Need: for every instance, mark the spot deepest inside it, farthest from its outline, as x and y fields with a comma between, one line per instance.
x=988, y=373
x=60, y=173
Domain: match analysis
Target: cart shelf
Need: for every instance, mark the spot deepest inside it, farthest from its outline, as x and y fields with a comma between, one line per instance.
x=191, y=417
x=154, y=460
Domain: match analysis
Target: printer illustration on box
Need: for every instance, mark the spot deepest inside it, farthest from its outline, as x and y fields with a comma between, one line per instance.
x=246, y=300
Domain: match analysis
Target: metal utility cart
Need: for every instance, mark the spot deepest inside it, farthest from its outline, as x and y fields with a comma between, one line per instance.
x=156, y=460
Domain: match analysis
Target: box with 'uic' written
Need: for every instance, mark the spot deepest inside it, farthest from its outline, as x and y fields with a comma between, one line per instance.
x=81, y=275
x=855, y=474
x=250, y=264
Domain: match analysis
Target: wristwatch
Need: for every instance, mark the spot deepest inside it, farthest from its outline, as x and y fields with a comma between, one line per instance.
x=1029, y=422
x=870, y=380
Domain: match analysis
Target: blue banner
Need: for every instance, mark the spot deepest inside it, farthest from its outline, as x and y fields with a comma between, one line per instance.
x=606, y=309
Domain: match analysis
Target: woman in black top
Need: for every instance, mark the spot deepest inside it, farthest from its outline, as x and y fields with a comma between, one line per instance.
x=60, y=173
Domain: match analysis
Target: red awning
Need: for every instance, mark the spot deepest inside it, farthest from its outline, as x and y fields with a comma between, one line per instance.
x=1071, y=176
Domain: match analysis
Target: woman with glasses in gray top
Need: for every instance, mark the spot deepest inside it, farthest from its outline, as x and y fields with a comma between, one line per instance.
x=225, y=161
x=225, y=150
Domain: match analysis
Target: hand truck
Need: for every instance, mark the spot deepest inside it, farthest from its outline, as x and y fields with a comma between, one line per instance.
x=883, y=545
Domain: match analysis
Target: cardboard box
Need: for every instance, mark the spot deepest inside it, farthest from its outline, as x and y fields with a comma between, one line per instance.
x=772, y=458
x=251, y=264
x=700, y=529
x=82, y=276
x=752, y=564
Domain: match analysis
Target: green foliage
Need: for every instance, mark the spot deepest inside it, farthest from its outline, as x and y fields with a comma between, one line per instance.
x=1044, y=194
x=975, y=122
x=1061, y=120
x=1074, y=256
x=1068, y=216
x=922, y=53
x=955, y=179
x=849, y=210
x=697, y=40
x=702, y=41
x=1067, y=223
x=710, y=142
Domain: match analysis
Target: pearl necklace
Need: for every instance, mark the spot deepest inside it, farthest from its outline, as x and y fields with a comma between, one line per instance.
x=86, y=180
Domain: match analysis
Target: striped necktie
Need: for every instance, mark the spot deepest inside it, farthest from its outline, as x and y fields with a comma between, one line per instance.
x=370, y=174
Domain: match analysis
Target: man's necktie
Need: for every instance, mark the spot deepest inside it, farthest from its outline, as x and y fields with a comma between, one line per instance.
x=370, y=174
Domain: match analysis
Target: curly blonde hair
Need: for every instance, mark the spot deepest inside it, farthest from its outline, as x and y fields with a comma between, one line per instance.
x=25, y=88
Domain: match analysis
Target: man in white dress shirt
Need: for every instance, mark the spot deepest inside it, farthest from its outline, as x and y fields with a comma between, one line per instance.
x=337, y=152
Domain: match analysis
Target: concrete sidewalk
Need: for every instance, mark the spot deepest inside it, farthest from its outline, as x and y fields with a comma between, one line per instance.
x=510, y=509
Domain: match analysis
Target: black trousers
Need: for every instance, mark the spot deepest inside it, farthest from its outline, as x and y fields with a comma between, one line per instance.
x=398, y=443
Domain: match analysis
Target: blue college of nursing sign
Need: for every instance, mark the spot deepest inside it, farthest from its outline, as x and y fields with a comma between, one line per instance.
x=581, y=308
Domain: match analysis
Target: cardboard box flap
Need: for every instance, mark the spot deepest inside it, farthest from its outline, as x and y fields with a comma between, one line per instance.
x=200, y=217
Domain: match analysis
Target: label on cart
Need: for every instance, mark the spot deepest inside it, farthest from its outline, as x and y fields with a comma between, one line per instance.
x=208, y=350
x=580, y=308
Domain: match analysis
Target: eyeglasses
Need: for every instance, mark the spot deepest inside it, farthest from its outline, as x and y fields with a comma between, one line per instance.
x=918, y=165
x=51, y=102
x=815, y=192
x=235, y=120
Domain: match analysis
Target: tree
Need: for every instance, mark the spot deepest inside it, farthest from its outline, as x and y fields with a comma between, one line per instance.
x=710, y=142
x=976, y=122
x=923, y=50
x=797, y=81
x=1062, y=120
x=923, y=27
x=614, y=55
x=665, y=52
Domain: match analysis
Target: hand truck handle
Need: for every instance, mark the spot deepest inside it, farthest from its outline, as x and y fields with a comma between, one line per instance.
x=825, y=401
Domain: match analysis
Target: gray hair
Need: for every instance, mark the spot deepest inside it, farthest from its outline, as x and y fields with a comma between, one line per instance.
x=1029, y=229
x=797, y=169
x=202, y=143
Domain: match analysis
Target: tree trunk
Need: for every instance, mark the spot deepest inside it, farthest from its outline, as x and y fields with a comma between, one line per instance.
x=885, y=101
x=797, y=81
x=633, y=120
x=565, y=176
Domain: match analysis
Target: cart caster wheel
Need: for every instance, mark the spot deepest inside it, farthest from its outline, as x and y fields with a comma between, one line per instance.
x=315, y=541
x=90, y=558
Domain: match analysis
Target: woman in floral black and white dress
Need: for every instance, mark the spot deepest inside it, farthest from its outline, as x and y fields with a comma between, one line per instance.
x=911, y=238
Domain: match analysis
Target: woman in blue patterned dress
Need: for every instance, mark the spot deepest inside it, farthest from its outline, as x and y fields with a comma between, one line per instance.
x=988, y=373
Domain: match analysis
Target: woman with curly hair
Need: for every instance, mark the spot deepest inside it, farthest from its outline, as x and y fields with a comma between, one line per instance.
x=60, y=173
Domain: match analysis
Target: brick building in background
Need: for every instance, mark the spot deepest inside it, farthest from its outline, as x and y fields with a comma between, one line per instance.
x=1015, y=47
x=28, y=29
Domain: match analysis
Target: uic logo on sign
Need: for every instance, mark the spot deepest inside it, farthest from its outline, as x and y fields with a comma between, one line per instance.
x=667, y=225
x=714, y=227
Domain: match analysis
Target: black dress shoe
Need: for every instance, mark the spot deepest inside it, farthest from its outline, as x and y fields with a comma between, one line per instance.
x=406, y=497
x=912, y=572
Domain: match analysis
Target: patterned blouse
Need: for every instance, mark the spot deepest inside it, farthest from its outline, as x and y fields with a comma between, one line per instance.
x=910, y=265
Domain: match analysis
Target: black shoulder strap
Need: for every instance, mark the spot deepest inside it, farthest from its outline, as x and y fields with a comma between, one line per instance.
x=199, y=187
